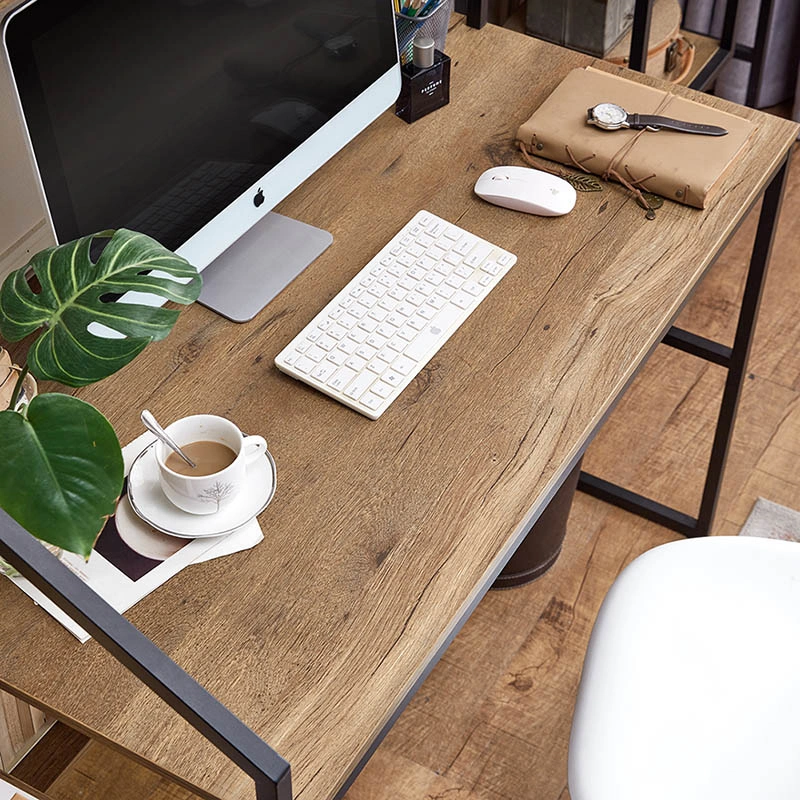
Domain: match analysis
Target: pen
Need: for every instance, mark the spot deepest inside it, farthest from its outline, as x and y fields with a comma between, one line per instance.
x=428, y=6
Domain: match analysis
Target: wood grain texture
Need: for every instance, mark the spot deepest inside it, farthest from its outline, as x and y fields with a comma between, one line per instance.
x=380, y=532
x=443, y=744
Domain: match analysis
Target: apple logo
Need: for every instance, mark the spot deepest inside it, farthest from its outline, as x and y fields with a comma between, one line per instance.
x=259, y=198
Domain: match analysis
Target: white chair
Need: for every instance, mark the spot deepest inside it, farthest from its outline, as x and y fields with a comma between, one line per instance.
x=691, y=682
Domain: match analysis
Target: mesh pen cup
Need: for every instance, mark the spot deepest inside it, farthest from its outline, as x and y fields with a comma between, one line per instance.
x=433, y=24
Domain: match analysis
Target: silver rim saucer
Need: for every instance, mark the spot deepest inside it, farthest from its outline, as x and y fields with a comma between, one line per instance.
x=181, y=535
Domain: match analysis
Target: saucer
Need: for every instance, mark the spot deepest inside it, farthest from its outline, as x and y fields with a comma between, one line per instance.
x=150, y=503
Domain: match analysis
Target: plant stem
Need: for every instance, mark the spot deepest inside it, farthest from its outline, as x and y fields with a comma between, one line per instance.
x=18, y=388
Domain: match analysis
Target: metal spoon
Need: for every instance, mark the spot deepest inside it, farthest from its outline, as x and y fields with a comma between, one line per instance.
x=152, y=425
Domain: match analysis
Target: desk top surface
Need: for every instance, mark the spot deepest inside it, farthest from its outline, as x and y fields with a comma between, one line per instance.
x=382, y=533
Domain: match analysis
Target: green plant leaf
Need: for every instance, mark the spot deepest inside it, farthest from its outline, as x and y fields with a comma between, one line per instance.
x=72, y=296
x=62, y=470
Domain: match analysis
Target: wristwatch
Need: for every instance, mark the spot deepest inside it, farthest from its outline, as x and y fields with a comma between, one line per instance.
x=611, y=117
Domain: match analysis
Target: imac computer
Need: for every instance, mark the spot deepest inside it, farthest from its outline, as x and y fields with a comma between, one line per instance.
x=189, y=120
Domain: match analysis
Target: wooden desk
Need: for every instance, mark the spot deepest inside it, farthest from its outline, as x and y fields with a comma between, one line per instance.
x=383, y=535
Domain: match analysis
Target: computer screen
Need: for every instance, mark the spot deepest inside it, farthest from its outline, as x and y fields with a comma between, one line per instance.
x=188, y=120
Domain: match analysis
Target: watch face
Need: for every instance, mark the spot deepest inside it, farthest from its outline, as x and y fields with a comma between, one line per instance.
x=609, y=114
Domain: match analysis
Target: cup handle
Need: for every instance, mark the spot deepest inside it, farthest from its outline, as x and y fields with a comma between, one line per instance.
x=253, y=446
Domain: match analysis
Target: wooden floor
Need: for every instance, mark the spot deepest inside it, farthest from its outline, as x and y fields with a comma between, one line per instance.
x=492, y=721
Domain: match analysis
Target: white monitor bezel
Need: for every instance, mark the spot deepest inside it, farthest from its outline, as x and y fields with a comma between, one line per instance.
x=220, y=233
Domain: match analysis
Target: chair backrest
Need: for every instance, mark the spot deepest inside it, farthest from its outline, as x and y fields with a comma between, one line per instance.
x=691, y=682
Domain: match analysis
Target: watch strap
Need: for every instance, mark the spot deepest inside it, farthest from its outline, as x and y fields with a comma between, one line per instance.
x=654, y=122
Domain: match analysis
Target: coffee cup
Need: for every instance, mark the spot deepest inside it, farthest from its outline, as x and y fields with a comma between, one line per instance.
x=222, y=454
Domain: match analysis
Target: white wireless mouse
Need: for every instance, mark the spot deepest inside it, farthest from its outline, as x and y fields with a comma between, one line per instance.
x=526, y=189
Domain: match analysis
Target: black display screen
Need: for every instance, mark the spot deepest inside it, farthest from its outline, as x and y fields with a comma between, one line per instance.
x=156, y=114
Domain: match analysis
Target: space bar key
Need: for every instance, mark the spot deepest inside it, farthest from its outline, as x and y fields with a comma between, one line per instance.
x=427, y=340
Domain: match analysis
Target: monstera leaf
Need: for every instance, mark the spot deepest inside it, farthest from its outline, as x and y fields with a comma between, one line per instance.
x=73, y=295
x=61, y=470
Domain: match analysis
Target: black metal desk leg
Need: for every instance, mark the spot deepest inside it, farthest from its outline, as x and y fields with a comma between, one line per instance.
x=759, y=259
x=640, y=35
x=477, y=13
x=735, y=360
x=270, y=773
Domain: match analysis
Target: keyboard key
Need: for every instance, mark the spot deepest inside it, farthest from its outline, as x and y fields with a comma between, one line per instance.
x=342, y=377
x=348, y=321
x=323, y=371
x=404, y=309
x=470, y=287
x=358, y=335
x=371, y=401
x=378, y=314
x=337, y=357
x=356, y=363
x=478, y=255
x=382, y=389
x=404, y=365
x=455, y=281
x=365, y=351
x=360, y=384
x=392, y=378
x=464, y=244
x=316, y=354
x=406, y=333
x=305, y=364
x=462, y=300
x=376, y=340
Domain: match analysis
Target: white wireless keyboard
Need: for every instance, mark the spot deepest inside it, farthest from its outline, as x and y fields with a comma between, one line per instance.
x=372, y=339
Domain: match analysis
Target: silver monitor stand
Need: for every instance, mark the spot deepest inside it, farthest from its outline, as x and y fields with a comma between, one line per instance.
x=262, y=262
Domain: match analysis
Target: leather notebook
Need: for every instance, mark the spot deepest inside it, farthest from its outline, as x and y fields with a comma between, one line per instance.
x=684, y=167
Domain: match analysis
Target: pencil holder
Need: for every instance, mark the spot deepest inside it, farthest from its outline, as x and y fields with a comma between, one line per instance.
x=434, y=24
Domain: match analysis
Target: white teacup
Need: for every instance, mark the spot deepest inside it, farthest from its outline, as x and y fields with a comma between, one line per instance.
x=207, y=494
